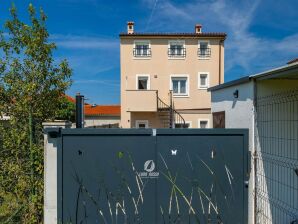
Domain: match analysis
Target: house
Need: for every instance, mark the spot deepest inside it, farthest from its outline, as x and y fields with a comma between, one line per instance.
x=266, y=104
x=165, y=76
x=100, y=116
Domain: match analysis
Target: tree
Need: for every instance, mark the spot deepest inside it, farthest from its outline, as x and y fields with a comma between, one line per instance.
x=32, y=88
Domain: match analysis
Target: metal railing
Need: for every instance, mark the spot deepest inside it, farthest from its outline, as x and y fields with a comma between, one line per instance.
x=170, y=115
x=176, y=52
x=204, y=52
x=142, y=52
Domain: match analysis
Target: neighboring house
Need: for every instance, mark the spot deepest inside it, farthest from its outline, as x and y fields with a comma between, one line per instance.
x=165, y=76
x=266, y=104
x=100, y=116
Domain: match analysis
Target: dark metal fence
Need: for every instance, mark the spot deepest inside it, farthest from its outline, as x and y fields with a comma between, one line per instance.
x=152, y=176
x=276, y=162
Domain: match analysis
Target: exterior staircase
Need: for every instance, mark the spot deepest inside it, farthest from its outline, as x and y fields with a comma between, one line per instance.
x=168, y=115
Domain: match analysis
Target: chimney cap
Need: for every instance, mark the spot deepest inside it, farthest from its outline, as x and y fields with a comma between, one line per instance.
x=198, y=28
x=130, y=27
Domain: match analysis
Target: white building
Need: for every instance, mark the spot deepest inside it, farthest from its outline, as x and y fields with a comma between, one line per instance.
x=266, y=104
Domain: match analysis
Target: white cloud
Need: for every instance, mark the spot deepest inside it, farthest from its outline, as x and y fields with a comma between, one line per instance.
x=243, y=48
x=114, y=83
x=84, y=42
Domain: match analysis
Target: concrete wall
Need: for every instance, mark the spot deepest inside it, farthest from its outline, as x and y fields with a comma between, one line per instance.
x=50, y=172
x=91, y=121
x=239, y=113
x=160, y=68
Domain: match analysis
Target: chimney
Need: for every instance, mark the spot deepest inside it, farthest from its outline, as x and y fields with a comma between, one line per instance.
x=80, y=117
x=130, y=27
x=198, y=28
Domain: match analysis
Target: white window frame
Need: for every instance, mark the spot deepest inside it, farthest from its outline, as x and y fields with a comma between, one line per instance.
x=137, y=81
x=146, y=122
x=134, y=47
x=176, y=56
x=199, y=123
x=207, y=80
x=208, y=46
x=187, y=84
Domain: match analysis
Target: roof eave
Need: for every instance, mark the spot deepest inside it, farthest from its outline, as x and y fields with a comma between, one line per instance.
x=167, y=35
x=230, y=83
x=270, y=74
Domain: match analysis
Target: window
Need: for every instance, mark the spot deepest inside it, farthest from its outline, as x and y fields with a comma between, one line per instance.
x=142, y=124
x=204, y=50
x=179, y=85
x=176, y=49
x=142, y=49
x=143, y=82
x=179, y=125
x=203, y=124
x=203, y=78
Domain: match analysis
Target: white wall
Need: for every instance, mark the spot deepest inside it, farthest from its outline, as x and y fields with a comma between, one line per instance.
x=239, y=113
x=50, y=172
x=97, y=121
x=91, y=121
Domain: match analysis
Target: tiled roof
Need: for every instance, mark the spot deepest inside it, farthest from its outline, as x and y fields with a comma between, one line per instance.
x=102, y=110
x=221, y=35
x=98, y=110
x=70, y=99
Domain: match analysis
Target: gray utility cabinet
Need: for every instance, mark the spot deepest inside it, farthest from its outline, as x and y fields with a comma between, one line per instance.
x=152, y=175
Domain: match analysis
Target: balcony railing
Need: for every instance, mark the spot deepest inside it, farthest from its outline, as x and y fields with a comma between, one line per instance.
x=204, y=52
x=177, y=52
x=142, y=52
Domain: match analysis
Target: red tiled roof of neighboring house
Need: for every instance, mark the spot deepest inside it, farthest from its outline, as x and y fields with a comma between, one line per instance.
x=70, y=99
x=292, y=61
x=220, y=35
x=103, y=110
x=98, y=110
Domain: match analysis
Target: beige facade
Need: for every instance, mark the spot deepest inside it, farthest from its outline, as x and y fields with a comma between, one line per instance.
x=169, y=62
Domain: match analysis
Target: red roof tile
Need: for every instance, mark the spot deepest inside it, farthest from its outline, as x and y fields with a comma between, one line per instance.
x=98, y=110
x=103, y=110
x=70, y=99
x=218, y=34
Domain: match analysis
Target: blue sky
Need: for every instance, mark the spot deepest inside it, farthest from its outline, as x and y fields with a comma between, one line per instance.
x=262, y=34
